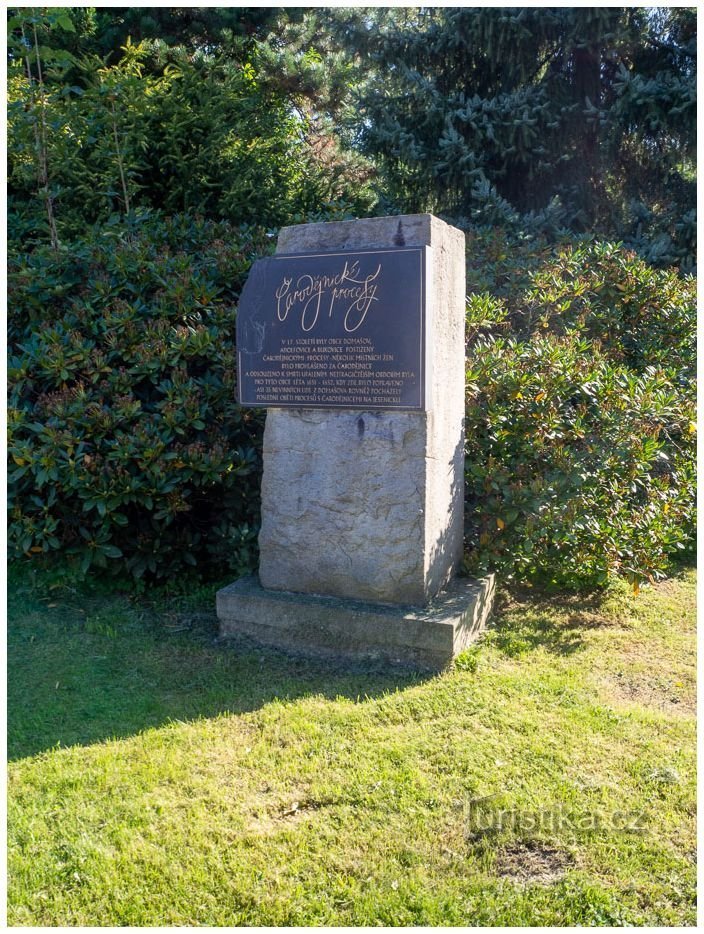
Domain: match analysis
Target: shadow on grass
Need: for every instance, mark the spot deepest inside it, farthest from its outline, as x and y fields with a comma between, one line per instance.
x=85, y=666
x=557, y=621
x=515, y=637
x=101, y=668
x=527, y=620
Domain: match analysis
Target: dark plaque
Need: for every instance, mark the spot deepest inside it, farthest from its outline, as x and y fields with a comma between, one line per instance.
x=334, y=330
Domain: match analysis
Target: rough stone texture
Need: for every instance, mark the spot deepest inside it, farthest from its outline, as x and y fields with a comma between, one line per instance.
x=427, y=637
x=369, y=505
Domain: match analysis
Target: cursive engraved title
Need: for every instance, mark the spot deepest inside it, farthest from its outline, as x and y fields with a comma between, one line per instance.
x=310, y=295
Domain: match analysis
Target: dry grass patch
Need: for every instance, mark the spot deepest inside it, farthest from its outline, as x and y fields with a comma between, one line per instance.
x=532, y=863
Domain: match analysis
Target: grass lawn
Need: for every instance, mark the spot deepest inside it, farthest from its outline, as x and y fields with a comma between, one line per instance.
x=160, y=778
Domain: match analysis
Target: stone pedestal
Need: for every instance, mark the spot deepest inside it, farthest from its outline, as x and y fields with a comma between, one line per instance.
x=368, y=505
x=423, y=636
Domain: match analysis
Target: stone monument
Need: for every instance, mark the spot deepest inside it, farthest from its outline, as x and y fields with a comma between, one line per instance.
x=352, y=336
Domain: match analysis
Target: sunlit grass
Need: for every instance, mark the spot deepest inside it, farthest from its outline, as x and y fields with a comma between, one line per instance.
x=160, y=778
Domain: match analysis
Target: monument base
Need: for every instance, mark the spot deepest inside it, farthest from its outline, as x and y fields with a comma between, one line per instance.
x=426, y=637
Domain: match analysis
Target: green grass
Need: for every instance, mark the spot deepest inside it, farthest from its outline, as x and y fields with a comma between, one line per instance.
x=160, y=778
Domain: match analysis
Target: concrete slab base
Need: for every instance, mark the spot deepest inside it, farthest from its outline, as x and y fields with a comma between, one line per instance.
x=426, y=637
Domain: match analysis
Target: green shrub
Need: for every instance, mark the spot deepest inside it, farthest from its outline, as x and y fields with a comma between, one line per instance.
x=165, y=129
x=128, y=451
x=126, y=446
x=580, y=413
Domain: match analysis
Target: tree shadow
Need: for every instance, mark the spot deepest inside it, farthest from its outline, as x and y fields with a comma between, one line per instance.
x=559, y=621
x=517, y=636
x=68, y=686
x=556, y=622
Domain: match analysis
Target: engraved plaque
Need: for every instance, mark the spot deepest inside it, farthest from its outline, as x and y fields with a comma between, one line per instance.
x=334, y=330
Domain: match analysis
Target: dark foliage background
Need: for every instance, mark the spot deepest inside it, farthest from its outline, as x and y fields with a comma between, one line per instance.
x=579, y=119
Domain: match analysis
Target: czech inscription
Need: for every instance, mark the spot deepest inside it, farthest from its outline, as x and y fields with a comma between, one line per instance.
x=342, y=330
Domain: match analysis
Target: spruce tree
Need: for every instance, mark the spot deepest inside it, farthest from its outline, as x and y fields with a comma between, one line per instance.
x=533, y=117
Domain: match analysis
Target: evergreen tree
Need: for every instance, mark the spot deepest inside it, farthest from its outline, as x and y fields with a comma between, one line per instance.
x=534, y=117
x=209, y=117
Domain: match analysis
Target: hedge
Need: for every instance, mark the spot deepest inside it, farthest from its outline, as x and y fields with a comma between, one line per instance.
x=128, y=451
